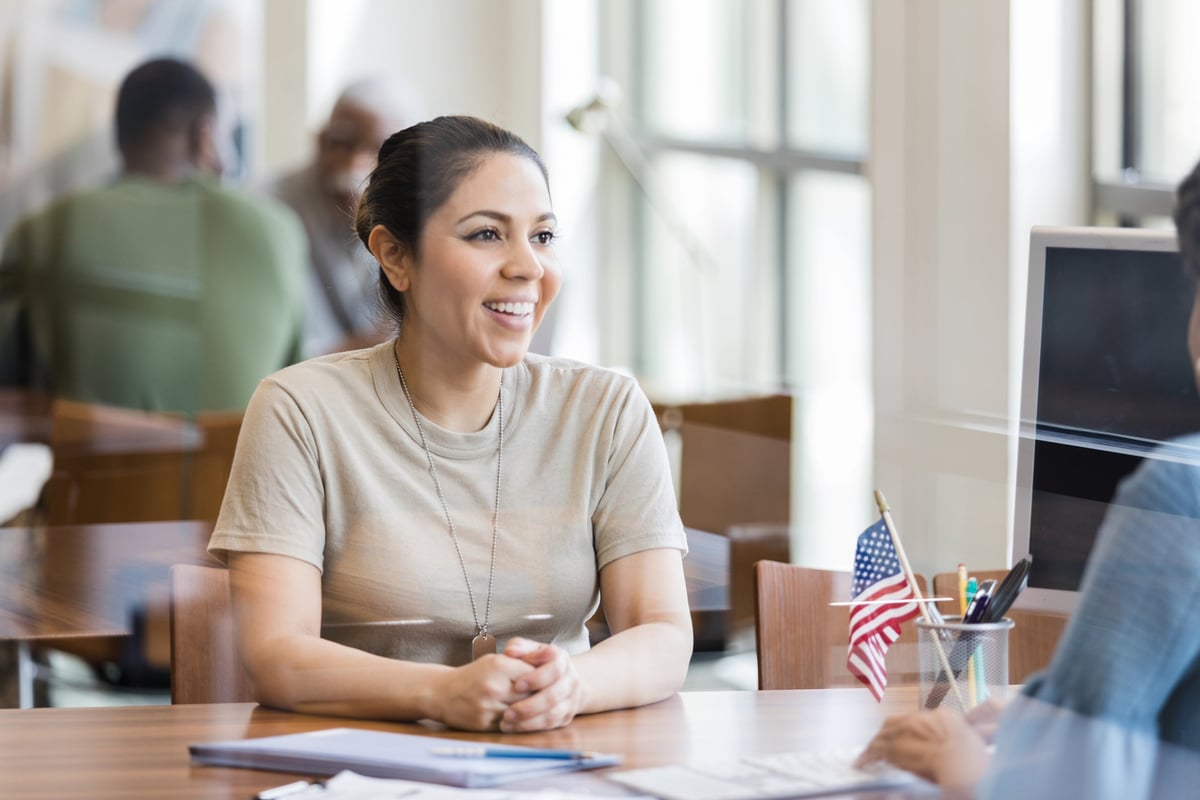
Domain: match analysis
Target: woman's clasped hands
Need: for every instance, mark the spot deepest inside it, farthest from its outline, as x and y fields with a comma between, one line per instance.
x=529, y=686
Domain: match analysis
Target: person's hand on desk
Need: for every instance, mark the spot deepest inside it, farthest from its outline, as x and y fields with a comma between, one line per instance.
x=985, y=717
x=940, y=746
x=555, y=692
x=476, y=695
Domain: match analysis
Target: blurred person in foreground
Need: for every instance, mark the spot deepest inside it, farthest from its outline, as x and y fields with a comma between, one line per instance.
x=421, y=529
x=341, y=313
x=1117, y=712
x=164, y=291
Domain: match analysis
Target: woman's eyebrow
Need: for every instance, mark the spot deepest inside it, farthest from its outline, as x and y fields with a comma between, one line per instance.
x=500, y=216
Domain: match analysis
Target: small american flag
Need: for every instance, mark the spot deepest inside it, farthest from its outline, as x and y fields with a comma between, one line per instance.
x=873, y=628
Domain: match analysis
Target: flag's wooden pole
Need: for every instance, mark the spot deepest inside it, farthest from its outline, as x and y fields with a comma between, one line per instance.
x=916, y=590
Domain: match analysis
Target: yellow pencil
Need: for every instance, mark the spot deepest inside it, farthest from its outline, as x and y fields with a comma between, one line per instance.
x=962, y=604
x=962, y=591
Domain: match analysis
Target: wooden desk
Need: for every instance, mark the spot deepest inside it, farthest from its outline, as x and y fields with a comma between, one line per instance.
x=141, y=752
x=72, y=581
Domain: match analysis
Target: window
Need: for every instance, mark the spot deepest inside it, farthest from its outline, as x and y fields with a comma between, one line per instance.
x=1146, y=120
x=752, y=117
x=745, y=242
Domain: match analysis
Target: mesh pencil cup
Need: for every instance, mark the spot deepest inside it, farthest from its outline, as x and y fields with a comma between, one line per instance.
x=962, y=665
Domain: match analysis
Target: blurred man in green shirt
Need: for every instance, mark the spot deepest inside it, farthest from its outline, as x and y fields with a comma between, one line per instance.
x=164, y=291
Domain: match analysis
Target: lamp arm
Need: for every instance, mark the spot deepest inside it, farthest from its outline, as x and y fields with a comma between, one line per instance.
x=634, y=161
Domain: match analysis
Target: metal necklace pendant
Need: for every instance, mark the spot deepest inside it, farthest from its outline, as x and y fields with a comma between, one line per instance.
x=483, y=642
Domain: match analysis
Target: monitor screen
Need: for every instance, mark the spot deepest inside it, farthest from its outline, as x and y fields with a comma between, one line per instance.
x=1106, y=378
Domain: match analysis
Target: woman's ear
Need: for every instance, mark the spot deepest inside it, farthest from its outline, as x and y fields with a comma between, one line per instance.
x=394, y=258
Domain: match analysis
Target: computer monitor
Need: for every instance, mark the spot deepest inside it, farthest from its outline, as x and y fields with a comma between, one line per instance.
x=1106, y=378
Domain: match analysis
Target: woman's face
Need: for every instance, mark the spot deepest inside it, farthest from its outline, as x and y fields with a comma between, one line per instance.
x=1193, y=336
x=487, y=271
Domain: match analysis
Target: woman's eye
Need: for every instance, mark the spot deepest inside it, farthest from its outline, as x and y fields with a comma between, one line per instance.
x=485, y=235
x=545, y=237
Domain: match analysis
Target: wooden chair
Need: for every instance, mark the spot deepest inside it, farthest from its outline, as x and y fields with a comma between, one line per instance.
x=212, y=463
x=205, y=664
x=115, y=465
x=1034, y=635
x=802, y=641
x=122, y=465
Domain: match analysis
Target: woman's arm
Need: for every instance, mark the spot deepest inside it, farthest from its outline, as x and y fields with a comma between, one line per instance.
x=645, y=659
x=277, y=609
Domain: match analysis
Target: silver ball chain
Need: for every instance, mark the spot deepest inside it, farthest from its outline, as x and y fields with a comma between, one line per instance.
x=482, y=629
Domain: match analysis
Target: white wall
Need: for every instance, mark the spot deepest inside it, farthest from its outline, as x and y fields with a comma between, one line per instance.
x=461, y=56
x=967, y=149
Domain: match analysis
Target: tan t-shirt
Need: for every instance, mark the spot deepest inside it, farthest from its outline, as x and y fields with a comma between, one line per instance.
x=329, y=469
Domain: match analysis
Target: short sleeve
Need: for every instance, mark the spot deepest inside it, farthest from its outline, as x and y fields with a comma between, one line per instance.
x=274, y=501
x=637, y=509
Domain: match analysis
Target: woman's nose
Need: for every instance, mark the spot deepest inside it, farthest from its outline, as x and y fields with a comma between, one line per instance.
x=523, y=262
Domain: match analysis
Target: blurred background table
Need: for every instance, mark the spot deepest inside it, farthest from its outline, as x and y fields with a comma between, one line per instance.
x=94, y=583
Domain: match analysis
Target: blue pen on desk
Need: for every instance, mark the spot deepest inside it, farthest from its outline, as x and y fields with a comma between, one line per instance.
x=473, y=751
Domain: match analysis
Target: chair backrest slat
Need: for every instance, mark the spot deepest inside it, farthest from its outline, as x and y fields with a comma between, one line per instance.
x=205, y=664
x=802, y=640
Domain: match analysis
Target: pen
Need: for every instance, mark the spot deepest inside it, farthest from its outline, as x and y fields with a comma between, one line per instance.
x=980, y=602
x=282, y=791
x=962, y=589
x=469, y=751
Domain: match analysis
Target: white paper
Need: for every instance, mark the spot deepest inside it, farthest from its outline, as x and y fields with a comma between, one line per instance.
x=348, y=785
x=24, y=470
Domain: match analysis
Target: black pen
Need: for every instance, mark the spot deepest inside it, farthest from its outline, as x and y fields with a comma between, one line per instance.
x=979, y=604
x=1006, y=593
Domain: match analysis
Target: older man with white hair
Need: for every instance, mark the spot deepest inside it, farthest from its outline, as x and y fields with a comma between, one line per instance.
x=340, y=311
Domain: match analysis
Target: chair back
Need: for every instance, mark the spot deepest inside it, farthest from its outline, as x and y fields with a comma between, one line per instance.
x=802, y=641
x=205, y=664
x=123, y=465
x=734, y=460
x=1034, y=635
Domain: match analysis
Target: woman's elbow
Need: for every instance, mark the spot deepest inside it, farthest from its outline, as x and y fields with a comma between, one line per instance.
x=274, y=680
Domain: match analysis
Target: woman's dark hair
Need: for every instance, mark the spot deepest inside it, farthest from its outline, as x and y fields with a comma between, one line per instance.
x=1187, y=221
x=419, y=168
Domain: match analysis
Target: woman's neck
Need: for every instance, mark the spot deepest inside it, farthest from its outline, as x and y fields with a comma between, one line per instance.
x=453, y=399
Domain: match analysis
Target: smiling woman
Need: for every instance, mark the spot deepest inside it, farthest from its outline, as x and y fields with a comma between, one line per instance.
x=422, y=529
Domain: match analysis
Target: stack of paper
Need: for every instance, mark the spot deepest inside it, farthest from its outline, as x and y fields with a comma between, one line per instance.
x=387, y=755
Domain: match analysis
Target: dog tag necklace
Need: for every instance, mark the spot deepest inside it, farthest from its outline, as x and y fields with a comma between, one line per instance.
x=484, y=642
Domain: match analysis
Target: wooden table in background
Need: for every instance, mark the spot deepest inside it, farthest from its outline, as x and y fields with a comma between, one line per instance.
x=66, y=582
x=141, y=752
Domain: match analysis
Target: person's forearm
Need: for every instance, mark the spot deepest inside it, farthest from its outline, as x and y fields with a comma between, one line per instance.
x=307, y=674
x=640, y=665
